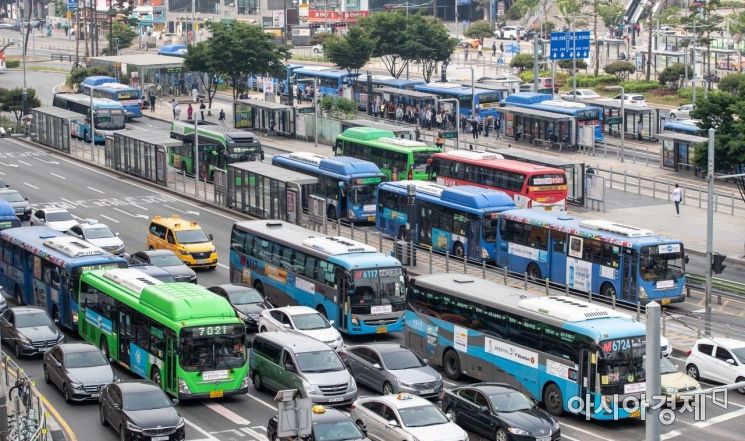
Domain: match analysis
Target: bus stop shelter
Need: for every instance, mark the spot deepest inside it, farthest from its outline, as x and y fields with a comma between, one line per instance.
x=267, y=191
x=151, y=70
x=633, y=113
x=538, y=125
x=141, y=153
x=266, y=116
x=677, y=151
x=401, y=131
x=404, y=97
x=50, y=126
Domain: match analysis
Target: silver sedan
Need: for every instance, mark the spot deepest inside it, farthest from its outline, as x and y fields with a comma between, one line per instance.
x=390, y=368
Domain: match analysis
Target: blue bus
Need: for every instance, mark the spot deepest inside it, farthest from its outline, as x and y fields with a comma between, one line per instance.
x=8, y=218
x=95, y=80
x=330, y=81
x=173, y=50
x=571, y=355
x=378, y=81
x=461, y=220
x=42, y=267
x=109, y=115
x=129, y=97
x=687, y=126
x=487, y=101
x=539, y=116
x=631, y=264
x=348, y=185
x=361, y=290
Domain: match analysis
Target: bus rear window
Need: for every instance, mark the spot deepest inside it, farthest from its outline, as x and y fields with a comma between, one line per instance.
x=546, y=180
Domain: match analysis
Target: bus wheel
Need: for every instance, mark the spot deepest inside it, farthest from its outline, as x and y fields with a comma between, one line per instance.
x=18, y=296
x=451, y=364
x=607, y=290
x=321, y=310
x=155, y=377
x=330, y=212
x=552, y=400
x=259, y=287
x=534, y=273
x=458, y=250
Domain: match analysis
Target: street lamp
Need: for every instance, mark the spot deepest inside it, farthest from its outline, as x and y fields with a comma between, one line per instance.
x=315, y=106
x=623, y=117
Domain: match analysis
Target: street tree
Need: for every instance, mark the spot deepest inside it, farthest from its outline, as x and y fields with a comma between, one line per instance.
x=200, y=58
x=428, y=43
x=672, y=75
x=705, y=19
x=621, y=69
x=350, y=52
x=611, y=13
x=120, y=36
x=387, y=31
x=242, y=50
x=733, y=83
x=569, y=9
x=479, y=29
x=11, y=100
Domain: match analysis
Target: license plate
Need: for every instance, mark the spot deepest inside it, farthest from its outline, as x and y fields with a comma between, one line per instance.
x=665, y=301
x=636, y=414
x=336, y=399
x=202, y=261
x=371, y=218
x=159, y=438
x=216, y=393
x=427, y=391
x=381, y=330
x=95, y=395
x=545, y=438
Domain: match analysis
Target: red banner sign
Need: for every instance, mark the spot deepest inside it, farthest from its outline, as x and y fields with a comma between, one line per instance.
x=321, y=16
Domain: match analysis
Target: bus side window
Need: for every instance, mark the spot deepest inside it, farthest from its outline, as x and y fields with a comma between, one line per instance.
x=311, y=267
x=156, y=341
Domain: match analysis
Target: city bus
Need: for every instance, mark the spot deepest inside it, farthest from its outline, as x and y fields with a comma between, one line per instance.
x=218, y=147
x=369, y=83
x=530, y=185
x=109, y=115
x=361, y=290
x=41, y=266
x=181, y=336
x=460, y=220
x=687, y=126
x=348, y=185
x=571, y=355
x=397, y=158
x=330, y=81
x=487, y=101
x=130, y=97
x=614, y=260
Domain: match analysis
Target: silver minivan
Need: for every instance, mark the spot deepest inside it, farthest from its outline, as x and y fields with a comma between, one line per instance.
x=286, y=360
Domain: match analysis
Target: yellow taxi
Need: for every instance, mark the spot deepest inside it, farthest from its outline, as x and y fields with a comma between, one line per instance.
x=185, y=238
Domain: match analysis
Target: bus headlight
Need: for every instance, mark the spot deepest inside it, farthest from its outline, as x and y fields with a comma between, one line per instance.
x=355, y=321
x=643, y=293
x=244, y=383
x=183, y=388
x=484, y=253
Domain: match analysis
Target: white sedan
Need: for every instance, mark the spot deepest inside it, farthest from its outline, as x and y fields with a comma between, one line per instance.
x=99, y=235
x=682, y=112
x=633, y=98
x=56, y=218
x=581, y=94
x=303, y=320
x=404, y=417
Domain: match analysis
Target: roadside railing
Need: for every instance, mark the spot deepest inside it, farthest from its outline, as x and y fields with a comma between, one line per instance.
x=23, y=414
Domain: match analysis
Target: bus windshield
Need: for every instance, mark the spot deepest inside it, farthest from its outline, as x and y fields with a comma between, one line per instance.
x=621, y=362
x=656, y=266
x=362, y=194
x=220, y=347
x=488, y=98
x=384, y=286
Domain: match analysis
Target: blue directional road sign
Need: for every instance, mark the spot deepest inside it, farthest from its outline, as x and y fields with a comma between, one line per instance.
x=512, y=48
x=565, y=44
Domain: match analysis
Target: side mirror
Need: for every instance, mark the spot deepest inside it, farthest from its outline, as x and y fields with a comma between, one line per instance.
x=484, y=408
x=393, y=423
x=57, y=364
x=289, y=367
x=114, y=406
x=731, y=361
x=331, y=322
x=687, y=259
x=116, y=234
x=25, y=198
x=362, y=427
x=287, y=325
x=211, y=237
x=450, y=416
x=377, y=366
x=175, y=401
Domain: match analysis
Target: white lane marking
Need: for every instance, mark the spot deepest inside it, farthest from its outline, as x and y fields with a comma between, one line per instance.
x=564, y=436
x=579, y=429
x=139, y=206
x=24, y=163
x=58, y=176
x=228, y=414
x=141, y=216
x=96, y=190
x=262, y=428
x=223, y=265
x=174, y=208
x=109, y=218
x=8, y=165
x=271, y=406
x=2, y=174
x=252, y=432
x=663, y=437
x=200, y=430
x=30, y=185
x=719, y=419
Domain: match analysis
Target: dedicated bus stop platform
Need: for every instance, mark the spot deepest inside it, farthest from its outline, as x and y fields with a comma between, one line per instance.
x=141, y=153
x=677, y=151
x=267, y=191
x=403, y=96
x=255, y=114
x=151, y=68
x=633, y=113
x=50, y=126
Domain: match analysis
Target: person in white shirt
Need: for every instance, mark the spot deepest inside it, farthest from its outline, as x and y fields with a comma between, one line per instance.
x=677, y=196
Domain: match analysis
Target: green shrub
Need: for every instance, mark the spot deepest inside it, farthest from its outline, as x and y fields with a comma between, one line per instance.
x=522, y=62
x=639, y=86
x=587, y=80
x=12, y=64
x=621, y=69
x=686, y=93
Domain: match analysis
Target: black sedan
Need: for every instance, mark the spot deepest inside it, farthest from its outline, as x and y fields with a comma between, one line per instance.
x=140, y=410
x=167, y=260
x=246, y=301
x=29, y=330
x=79, y=370
x=327, y=424
x=500, y=412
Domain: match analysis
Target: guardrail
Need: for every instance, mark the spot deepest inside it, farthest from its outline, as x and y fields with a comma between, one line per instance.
x=23, y=415
x=62, y=57
x=726, y=288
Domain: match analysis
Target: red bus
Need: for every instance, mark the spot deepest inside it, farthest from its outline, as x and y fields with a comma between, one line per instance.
x=529, y=185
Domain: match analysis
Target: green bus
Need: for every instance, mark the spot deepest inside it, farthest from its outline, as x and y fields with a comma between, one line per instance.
x=398, y=158
x=218, y=147
x=179, y=335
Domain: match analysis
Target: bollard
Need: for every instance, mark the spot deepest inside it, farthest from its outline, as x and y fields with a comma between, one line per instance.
x=624, y=181
x=638, y=310
x=351, y=230
x=566, y=290
x=338, y=227
x=732, y=199
x=698, y=328
x=430, y=259
x=365, y=235
x=654, y=186
x=589, y=295
x=613, y=302
x=664, y=323
x=548, y=293
x=727, y=331
x=447, y=261
x=719, y=299
x=699, y=198
x=504, y=272
x=380, y=241
x=465, y=264
x=688, y=291
x=483, y=269
x=639, y=183
x=525, y=280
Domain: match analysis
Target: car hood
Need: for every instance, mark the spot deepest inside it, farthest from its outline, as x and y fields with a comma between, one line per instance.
x=199, y=247
x=107, y=242
x=678, y=380
x=534, y=420
x=327, y=378
x=423, y=374
x=154, y=418
x=180, y=271
x=62, y=225
x=39, y=333
x=324, y=335
x=250, y=308
x=92, y=375
x=439, y=432
x=20, y=204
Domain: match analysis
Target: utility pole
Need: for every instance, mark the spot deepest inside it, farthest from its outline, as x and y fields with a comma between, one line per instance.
x=535, y=65
x=709, y=229
x=574, y=58
x=654, y=387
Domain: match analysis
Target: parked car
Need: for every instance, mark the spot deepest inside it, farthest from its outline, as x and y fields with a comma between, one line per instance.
x=79, y=370
x=665, y=347
x=99, y=235
x=405, y=417
x=327, y=424
x=674, y=383
x=718, y=359
x=581, y=94
x=510, y=32
x=390, y=368
x=246, y=301
x=167, y=260
x=682, y=112
x=633, y=98
x=29, y=330
x=140, y=410
x=303, y=320
x=55, y=218
x=17, y=201
x=498, y=411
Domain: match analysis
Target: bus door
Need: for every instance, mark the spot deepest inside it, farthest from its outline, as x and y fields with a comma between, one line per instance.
x=587, y=375
x=343, y=282
x=557, y=262
x=125, y=334
x=474, y=237
x=169, y=382
x=629, y=263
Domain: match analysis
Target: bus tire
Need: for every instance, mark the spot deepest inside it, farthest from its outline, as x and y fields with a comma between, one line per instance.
x=534, y=272
x=330, y=212
x=258, y=383
x=607, y=290
x=451, y=364
x=458, y=250
x=155, y=377
x=259, y=287
x=553, y=400
x=18, y=296
x=322, y=310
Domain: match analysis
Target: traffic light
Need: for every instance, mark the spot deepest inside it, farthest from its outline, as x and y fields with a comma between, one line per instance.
x=717, y=264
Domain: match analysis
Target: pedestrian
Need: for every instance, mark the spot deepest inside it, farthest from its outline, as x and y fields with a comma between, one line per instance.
x=151, y=97
x=677, y=196
x=177, y=111
x=639, y=127
x=487, y=125
x=189, y=112
x=480, y=52
x=195, y=93
x=174, y=104
x=497, y=126
x=417, y=134
x=299, y=94
x=221, y=117
x=465, y=53
x=440, y=140
x=494, y=49
x=201, y=108
x=475, y=128
x=501, y=47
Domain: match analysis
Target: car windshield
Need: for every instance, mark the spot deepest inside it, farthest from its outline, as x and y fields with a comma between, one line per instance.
x=510, y=402
x=667, y=366
x=85, y=359
x=11, y=196
x=147, y=400
x=98, y=233
x=58, y=216
x=165, y=260
x=205, y=348
x=363, y=194
x=420, y=416
x=319, y=361
x=383, y=286
x=309, y=322
x=246, y=297
x=32, y=320
x=339, y=430
x=191, y=236
x=740, y=354
x=661, y=262
x=403, y=359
